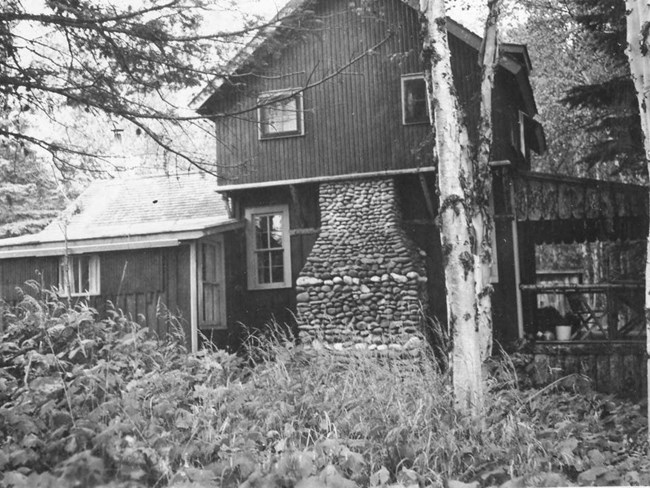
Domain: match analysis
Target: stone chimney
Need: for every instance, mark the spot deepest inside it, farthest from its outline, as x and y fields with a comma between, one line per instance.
x=364, y=283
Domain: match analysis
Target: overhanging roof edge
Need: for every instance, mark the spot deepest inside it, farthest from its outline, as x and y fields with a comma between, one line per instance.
x=117, y=243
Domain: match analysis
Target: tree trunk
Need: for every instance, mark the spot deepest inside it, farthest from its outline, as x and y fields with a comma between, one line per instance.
x=638, y=20
x=482, y=219
x=456, y=194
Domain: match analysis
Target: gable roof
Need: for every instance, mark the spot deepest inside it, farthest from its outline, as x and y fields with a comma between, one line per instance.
x=514, y=57
x=133, y=213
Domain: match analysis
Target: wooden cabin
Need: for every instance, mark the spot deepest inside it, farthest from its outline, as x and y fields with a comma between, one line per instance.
x=327, y=214
x=144, y=244
x=329, y=162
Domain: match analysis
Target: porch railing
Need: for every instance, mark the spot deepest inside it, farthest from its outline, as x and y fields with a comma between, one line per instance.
x=600, y=311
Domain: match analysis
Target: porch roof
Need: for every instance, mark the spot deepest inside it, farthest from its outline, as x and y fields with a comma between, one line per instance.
x=133, y=213
x=566, y=209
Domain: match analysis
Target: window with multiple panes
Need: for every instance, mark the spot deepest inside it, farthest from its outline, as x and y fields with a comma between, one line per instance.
x=80, y=276
x=414, y=100
x=280, y=114
x=268, y=249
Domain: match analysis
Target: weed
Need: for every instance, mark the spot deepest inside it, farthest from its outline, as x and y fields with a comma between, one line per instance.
x=86, y=402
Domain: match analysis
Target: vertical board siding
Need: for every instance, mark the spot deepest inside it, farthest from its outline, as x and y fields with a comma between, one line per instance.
x=132, y=271
x=135, y=284
x=614, y=367
x=14, y=273
x=254, y=309
x=353, y=120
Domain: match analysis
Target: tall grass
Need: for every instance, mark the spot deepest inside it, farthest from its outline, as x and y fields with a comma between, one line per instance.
x=397, y=413
x=85, y=402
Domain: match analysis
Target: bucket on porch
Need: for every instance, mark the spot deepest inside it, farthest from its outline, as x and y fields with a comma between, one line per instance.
x=563, y=332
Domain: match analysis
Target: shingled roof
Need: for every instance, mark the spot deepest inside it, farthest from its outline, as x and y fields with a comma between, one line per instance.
x=137, y=212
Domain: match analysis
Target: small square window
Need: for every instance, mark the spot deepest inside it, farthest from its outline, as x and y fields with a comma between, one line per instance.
x=268, y=247
x=280, y=114
x=81, y=275
x=414, y=100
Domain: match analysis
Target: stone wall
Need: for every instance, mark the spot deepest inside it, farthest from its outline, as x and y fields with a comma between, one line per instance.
x=364, y=283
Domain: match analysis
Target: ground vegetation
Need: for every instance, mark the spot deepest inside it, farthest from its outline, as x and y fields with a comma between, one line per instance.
x=89, y=402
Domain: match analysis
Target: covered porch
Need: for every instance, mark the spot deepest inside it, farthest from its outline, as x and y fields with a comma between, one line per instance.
x=579, y=321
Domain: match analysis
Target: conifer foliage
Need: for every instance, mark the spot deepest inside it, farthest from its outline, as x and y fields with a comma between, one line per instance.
x=29, y=194
x=611, y=97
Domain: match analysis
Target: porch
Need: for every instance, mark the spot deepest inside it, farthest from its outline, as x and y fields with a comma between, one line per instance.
x=578, y=322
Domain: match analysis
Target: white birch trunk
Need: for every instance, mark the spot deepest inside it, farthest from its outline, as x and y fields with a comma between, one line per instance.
x=454, y=175
x=638, y=17
x=482, y=218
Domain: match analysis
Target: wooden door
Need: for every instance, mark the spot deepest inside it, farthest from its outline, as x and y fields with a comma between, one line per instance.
x=212, y=292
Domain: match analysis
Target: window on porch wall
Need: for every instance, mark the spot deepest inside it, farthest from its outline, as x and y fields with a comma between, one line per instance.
x=268, y=247
x=81, y=275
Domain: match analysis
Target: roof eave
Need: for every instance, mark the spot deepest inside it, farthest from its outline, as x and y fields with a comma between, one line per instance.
x=114, y=243
x=201, y=102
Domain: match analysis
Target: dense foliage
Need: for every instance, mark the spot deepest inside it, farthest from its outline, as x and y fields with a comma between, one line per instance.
x=105, y=403
x=612, y=95
x=117, y=60
x=582, y=85
x=30, y=196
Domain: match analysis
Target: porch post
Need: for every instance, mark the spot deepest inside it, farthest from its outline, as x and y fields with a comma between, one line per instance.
x=194, y=339
x=517, y=263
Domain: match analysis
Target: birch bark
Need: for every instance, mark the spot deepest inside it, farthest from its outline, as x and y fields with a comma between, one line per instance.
x=456, y=190
x=482, y=218
x=638, y=26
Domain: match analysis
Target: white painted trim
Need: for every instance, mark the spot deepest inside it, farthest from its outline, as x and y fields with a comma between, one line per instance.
x=251, y=261
x=194, y=303
x=325, y=179
x=94, y=277
x=500, y=163
x=127, y=243
x=523, y=147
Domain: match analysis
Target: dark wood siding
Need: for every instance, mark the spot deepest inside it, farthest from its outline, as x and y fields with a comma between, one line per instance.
x=253, y=309
x=142, y=284
x=353, y=119
x=614, y=367
x=508, y=101
x=139, y=284
x=14, y=273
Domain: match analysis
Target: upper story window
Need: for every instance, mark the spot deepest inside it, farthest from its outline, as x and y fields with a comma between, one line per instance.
x=523, y=147
x=414, y=100
x=280, y=114
x=268, y=247
x=81, y=275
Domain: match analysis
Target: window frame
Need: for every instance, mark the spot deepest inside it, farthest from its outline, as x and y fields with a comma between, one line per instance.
x=403, y=79
x=264, y=101
x=94, y=276
x=252, y=252
x=523, y=147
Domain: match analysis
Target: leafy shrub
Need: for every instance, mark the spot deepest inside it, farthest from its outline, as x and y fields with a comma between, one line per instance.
x=92, y=400
x=88, y=402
